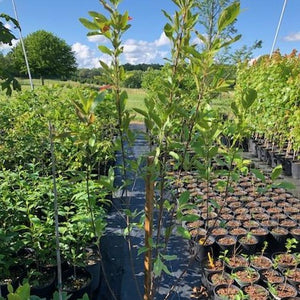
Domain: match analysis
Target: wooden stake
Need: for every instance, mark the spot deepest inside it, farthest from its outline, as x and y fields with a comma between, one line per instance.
x=148, y=230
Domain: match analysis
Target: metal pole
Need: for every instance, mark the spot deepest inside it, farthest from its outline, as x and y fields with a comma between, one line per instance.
x=278, y=27
x=23, y=46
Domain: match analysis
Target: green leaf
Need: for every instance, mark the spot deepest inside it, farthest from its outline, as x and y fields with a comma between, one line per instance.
x=276, y=172
x=228, y=15
x=104, y=65
x=184, y=197
x=285, y=185
x=158, y=266
x=183, y=232
x=174, y=155
x=124, y=20
x=88, y=24
x=248, y=98
x=142, y=250
x=189, y=218
x=104, y=50
x=169, y=257
x=234, y=108
x=168, y=29
x=141, y=112
x=99, y=17
x=92, y=141
x=258, y=174
x=155, y=117
x=166, y=270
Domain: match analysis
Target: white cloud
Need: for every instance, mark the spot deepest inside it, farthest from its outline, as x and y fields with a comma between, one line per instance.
x=162, y=41
x=197, y=41
x=86, y=57
x=7, y=25
x=100, y=39
x=6, y=47
x=140, y=51
x=135, y=52
x=293, y=37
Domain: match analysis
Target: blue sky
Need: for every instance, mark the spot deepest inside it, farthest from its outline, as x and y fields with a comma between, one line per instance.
x=145, y=43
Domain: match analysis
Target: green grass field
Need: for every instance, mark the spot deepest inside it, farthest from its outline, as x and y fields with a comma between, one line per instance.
x=135, y=96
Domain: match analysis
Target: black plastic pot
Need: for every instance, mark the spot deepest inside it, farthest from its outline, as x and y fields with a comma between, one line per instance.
x=248, y=246
x=249, y=280
x=277, y=287
x=204, y=246
x=215, y=279
x=94, y=268
x=257, y=260
x=227, y=246
x=233, y=288
x=81, y=273
x=296, y=169
x=261, y=292
x=45, y=290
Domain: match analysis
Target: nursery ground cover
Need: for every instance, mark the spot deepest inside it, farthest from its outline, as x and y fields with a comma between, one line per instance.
x=120, y=259
x=117, y=255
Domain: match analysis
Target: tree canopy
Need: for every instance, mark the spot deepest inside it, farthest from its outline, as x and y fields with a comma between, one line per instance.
x=48, y=56
x=6, y=36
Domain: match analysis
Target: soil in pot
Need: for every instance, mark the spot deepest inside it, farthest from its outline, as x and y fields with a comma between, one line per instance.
x=213, y=266
x=279, y=217
x=245, y=276
x=227, y=217
x=270, y=224
x=232, y=224
x=243, y=217
x=272, y=276
x=236, y=261
x=256, y=292
x=280, y=236
x=250, y=224
x=260, y=233
x=238, y=232
x=215, y=279
x=197, y=233
x=293, y=276
x=76, y=282
x=226, y=292
x=249, y=243
x=241, y=210
x=283, y=290
x=284, y=260
x=261, y=262
x=260, y=216
x=226, y=242
x=295, y=232
x=288, y=223
x=219, y=231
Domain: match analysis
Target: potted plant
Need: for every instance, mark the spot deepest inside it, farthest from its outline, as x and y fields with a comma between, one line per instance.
x=271, y=276
x=246, y=276
x=227, y=292
x=256, y=291
x=286, y=259
x=282, y=291
x=248, y=242
x=261, y=262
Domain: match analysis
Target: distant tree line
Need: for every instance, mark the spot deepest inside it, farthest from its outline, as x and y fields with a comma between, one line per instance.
x=134, y=75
